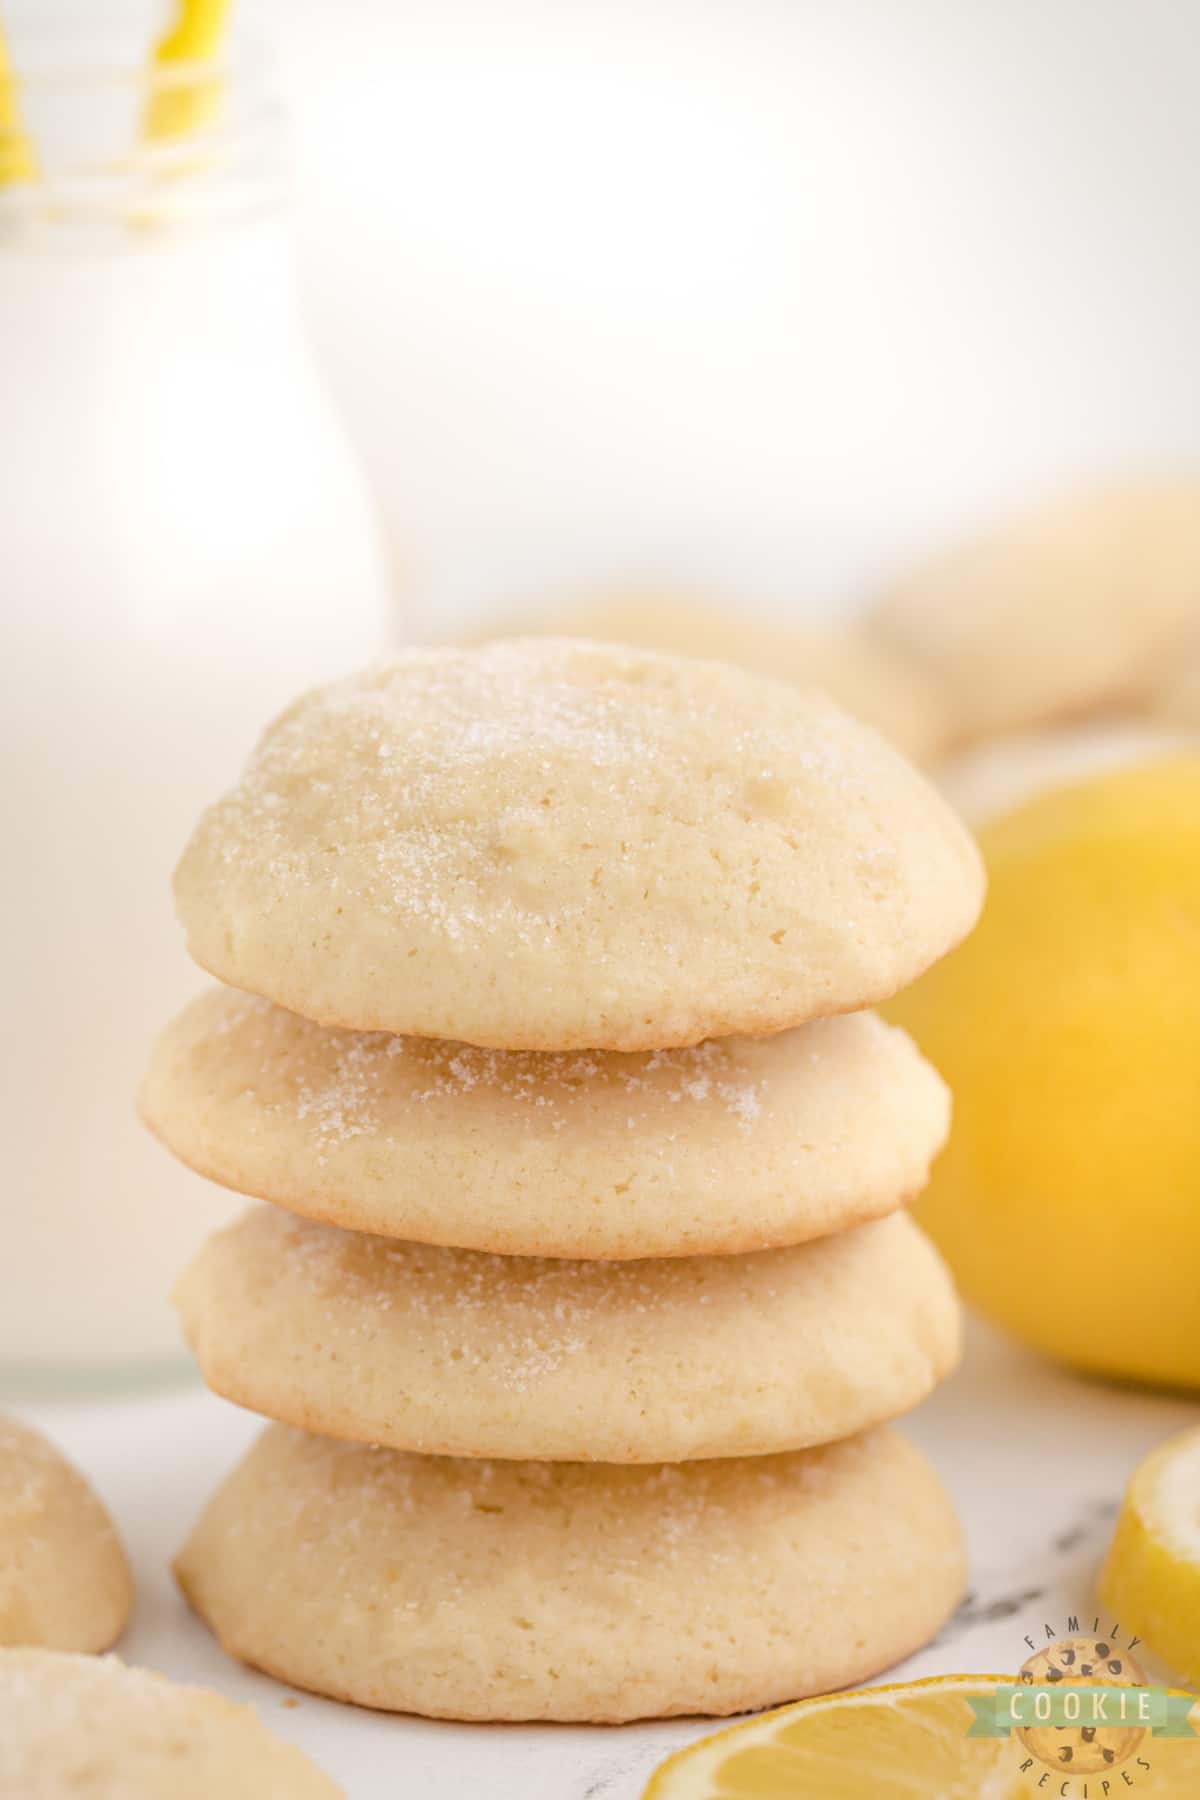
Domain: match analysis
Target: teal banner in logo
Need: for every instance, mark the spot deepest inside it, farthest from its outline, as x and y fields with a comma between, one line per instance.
x=1019, y=1705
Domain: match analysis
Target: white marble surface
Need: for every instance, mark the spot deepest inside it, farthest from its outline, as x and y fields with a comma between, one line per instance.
x=1036, y=1459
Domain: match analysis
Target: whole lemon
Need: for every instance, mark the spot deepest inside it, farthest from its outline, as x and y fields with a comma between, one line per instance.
x=1068, y=1026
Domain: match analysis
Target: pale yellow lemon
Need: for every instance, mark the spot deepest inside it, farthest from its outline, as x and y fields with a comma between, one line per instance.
x=1068, y=1028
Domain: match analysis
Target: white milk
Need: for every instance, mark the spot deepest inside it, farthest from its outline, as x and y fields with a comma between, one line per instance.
x=184, y=545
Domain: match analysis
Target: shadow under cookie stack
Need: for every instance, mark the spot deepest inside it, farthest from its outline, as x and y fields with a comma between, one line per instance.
x=586, y=1289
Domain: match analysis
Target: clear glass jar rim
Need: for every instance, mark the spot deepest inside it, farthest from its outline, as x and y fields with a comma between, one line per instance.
x=244, y=63
x=94, y=160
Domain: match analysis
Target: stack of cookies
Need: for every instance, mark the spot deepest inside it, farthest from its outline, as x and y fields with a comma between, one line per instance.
x=586, y=1288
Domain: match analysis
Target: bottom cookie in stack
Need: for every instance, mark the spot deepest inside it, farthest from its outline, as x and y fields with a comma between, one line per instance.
x=473, y=1589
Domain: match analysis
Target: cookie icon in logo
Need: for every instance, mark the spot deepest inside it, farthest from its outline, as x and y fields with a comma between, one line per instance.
x=1101, y=1739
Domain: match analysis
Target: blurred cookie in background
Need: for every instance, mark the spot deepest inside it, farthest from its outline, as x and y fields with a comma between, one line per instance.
x=1072, y=605
x=1177, y=701
x=866, y=676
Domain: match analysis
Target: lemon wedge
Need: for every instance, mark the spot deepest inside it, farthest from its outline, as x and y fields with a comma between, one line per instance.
x=904, y=1742
x=1151, y=1578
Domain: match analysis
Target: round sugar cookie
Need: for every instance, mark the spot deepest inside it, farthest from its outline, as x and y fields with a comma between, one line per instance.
x=862, y=673
x=508, y=1590
x=555, y=845
x=92, y=1728
x=1072, y=604
x=734, y=1144
x=64, y=1580
x=457, y=1353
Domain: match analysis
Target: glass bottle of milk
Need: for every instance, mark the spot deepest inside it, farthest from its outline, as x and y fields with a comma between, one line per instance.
x=185, y=544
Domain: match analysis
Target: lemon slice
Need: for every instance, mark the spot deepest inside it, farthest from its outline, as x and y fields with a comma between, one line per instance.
x=906, y=1742
x=1151, y=1579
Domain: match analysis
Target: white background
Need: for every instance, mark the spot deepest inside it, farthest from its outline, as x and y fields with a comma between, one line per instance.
x=755, y=291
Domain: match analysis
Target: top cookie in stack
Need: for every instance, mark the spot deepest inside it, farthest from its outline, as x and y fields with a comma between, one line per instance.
x=555, y=845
